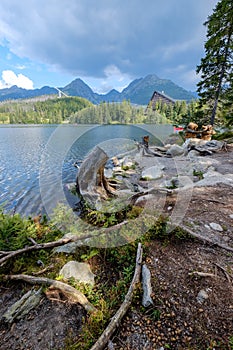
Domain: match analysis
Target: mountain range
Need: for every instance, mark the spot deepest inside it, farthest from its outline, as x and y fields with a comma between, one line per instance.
x=139, y=91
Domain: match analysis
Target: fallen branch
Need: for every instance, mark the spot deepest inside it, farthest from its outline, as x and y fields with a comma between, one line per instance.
x=116, y=319
x=67, y=290
x=205, y=239
x=48, y=245
x=62, y=241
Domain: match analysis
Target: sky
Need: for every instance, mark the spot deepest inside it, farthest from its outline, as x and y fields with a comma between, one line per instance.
x=106, y=43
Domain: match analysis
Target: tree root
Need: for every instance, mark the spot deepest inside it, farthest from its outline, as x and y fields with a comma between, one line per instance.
x=70, y=292
x=116, y=319
x=205, y=239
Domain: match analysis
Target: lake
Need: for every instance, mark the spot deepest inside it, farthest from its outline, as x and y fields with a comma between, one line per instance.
x=37, y=161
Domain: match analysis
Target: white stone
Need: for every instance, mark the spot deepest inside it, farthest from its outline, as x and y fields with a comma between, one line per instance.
x=153, y=173
x=216, y=227
x=79, y=271
x=231, y=216
x=128, y=162
x=202, y=296
x=108, y=173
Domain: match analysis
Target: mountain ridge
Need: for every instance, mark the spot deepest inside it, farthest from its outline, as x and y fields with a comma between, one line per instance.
x=139, y=91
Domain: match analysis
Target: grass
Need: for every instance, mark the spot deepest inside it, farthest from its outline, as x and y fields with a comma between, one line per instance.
x=115, y=266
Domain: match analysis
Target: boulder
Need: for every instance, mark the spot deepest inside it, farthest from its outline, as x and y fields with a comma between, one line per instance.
x=153, y=173
x=175, y=150
x=212, y=178
x=79, y=271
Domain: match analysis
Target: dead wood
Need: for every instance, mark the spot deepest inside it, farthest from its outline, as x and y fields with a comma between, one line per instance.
x=91, y=183
x=10, y=254
x=22, y=307
x=70, y=292
x=202, y=274
x=50, y=267
x=205, y=239
x=227, y=275
x=116, y=319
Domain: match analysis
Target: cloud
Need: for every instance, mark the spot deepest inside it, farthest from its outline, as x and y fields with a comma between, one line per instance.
x=113, y=79
x=9, y=78
x=86, y=37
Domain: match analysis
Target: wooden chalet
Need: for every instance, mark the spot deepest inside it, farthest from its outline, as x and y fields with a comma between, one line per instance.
x=160, y=96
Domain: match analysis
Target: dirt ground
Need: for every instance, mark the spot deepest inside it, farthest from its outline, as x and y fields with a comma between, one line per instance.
x=192, y=283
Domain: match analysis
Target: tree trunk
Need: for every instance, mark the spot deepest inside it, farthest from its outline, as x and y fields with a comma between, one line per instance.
x=91, y=183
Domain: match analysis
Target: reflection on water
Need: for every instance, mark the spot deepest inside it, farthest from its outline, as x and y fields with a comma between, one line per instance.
x=30, y=152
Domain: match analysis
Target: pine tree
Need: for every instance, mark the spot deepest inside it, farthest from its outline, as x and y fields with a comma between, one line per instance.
x=216, y=67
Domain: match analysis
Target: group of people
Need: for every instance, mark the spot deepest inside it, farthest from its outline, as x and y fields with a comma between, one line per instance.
x=205, y=133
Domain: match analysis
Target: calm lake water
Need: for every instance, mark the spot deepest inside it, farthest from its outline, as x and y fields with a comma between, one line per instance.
x=37, y=162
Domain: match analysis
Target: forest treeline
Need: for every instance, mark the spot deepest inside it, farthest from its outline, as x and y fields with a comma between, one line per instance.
x=55, y=110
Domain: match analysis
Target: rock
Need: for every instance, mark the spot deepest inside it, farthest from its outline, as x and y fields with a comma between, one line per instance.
x=70, y=248
x=146, y=286
x=202, y=296
x=203, y=164
x=127, y=162
x=143, y=199
x=231, y=216
x=79, y=271
x=175, y=150
x=108, y=173
x=216, y=227
x=193, y=154
x=212, y=145
x=213, y=178
x=118, y=169
x=115, y=161
x=152, y=173
x=172, y=183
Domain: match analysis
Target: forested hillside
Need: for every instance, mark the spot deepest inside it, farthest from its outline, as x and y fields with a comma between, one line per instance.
x=49, y=110
x=53, y=110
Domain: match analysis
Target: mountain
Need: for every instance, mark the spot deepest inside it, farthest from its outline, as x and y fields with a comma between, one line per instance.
x=78, y=88
x=14, y=92
x=139, y=91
